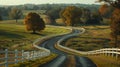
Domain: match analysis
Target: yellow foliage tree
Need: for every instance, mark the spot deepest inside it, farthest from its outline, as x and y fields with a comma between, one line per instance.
x=71, y=15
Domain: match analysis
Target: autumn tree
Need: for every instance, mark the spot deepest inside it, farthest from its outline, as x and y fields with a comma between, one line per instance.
x=71, y=15
x=15, y=13
x=34, y=22
x=106, y=10
x=115, y=20
x=115, y=27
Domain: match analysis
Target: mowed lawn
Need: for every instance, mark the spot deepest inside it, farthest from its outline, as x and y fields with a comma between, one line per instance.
x=13, y=35
x=95, y=37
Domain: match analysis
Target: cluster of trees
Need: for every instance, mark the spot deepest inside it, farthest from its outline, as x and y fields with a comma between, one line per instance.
x=115, y=19
x=53, y=6
x=71, y=15
x=15, y=13
x=91, y=17
x=11, y=13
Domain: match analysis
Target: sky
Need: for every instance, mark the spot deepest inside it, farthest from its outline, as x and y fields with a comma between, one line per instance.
x=18, y=2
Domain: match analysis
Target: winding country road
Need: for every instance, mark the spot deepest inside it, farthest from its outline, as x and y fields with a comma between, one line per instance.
x=64, y=59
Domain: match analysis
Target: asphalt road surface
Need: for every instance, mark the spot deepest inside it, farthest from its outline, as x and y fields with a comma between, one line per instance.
x=63, y=59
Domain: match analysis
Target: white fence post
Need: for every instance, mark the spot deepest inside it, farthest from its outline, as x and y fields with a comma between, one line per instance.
x=16, y=56
x=6, y=57
x=22, y=55
x=116, y=54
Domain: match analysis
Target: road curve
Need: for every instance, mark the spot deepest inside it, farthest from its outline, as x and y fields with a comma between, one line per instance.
x=62, y=58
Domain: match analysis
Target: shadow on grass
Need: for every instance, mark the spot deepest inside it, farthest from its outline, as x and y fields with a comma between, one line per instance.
x=95, y=38
x=10, y=35
x=38, y=34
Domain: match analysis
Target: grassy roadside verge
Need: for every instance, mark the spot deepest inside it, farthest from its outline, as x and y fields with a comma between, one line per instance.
x=103, y=61
x=35, y=63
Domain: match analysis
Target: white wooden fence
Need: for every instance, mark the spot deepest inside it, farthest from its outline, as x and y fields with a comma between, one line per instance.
x=20, y=56
x=114, y=52
x=12, y=57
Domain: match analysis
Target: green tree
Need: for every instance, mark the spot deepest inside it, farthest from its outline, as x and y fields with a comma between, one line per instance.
x=15, y=13
x=53, y=14
x=86, y=16
x=34, y=22
x=0, y=18
x=95, y=18
x=71, y=15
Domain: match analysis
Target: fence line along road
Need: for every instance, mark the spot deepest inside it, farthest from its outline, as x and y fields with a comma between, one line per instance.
x=12, y=57
x=20, y=56
x=114, y=52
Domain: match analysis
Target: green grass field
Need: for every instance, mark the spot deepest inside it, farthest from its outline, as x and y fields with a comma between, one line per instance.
x=95, y=37
x=103, y=61
x=13, y=35
x=35, y=63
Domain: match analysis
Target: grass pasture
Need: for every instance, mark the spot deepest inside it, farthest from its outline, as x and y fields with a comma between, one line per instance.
x=103, y=61
x=14, y=35
x=95, y=37
x=35, y=63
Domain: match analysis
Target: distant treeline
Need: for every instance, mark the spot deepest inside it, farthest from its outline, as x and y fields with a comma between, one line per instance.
x=50, y=6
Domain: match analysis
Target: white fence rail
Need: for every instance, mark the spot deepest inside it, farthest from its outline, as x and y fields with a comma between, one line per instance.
x=114, y=52
x=11, y=57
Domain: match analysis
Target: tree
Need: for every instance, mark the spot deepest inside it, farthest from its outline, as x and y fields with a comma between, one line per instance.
x=15, y=14
x=86, y=16
x=91, y=17
x=95, y=18
x=114, y=3
x=115, y=20
x=0, y=17
x=71, y=15
x=106, y=10
x=34, y=22
x=115, y=26
x=53, y=14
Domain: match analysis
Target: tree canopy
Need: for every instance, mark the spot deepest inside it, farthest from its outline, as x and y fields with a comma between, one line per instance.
x=106, y=10
x=71, y=15
x=53, y=14
x=15, y=14
x=115, y=20
x=114, y=3
x=34, y=22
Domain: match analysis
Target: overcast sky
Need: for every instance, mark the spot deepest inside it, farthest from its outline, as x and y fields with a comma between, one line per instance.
x=17, y=2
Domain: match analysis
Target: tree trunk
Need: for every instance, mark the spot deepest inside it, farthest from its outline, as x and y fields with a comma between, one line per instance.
x=34, y=31
x=16, y=20
x=116, y=41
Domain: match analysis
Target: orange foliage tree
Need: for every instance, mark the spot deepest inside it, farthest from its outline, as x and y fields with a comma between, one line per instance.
x=34, y=22
x=115, y=20
x=71, y=15
x=106, y=10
